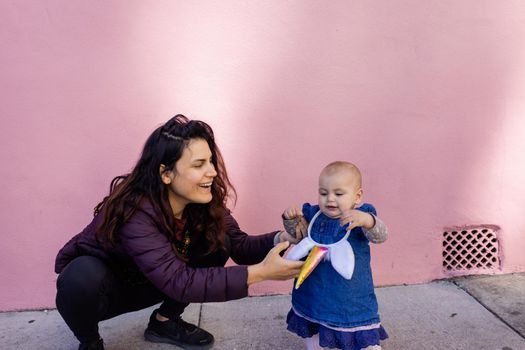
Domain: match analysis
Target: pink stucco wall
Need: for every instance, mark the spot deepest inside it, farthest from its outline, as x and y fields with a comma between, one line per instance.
x=427, y=97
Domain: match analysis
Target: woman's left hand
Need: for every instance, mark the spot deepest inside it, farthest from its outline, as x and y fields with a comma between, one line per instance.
x=357, y=218
x=274, y=267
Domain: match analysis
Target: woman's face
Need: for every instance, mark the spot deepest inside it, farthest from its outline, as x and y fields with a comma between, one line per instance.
x=192, y=177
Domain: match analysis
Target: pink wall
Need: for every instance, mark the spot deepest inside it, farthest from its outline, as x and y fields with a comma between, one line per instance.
x=427, y=97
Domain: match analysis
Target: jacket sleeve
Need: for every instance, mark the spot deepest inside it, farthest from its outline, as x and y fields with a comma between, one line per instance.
x=247, y=249
x=152, y=253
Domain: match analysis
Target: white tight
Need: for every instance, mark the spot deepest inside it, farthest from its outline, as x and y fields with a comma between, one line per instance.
x=313, y=344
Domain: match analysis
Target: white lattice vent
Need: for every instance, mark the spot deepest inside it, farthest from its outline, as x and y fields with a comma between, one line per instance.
x=470, y=249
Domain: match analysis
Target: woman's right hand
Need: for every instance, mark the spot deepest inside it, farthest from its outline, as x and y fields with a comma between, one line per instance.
x=274, y=267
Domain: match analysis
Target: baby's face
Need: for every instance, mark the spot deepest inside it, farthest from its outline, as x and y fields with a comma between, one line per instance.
x=338, y=192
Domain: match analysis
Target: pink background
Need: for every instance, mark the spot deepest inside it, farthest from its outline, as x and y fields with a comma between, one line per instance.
x=426, y=97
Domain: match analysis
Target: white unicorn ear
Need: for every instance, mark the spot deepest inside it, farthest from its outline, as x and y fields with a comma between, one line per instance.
x=342, y=258
x=301, y=250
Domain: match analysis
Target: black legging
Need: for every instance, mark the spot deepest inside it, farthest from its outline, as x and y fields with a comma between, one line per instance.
x=89, y=292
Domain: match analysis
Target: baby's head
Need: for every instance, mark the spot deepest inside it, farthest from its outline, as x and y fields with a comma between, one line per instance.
x=339, y=188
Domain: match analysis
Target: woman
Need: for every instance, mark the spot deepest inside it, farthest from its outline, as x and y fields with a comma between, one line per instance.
x=164, y=234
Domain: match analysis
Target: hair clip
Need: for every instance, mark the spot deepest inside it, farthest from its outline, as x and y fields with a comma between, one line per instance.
x=172, y=137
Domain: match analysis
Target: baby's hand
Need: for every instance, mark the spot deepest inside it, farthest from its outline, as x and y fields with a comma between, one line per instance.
x=294, y=224
x=357, y=218
x=292, y=213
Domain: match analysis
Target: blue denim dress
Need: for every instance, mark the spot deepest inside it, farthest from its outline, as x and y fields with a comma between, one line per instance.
x=327, y=299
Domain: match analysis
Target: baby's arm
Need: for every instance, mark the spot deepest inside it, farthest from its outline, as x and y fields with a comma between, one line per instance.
x=291, y=218
x=294, y=223
x=378, y=233
x=374, y=229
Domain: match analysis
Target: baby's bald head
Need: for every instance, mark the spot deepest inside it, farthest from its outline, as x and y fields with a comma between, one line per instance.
x=342, y=168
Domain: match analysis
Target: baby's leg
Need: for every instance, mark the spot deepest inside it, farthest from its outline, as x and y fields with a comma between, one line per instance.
x=312, y=343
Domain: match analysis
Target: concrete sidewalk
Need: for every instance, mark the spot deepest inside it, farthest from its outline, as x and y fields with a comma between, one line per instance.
x=470, y=313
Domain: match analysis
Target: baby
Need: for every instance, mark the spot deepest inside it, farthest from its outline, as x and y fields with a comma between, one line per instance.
x=336, y=302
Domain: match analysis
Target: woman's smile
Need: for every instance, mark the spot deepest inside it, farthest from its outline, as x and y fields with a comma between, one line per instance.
x=206, y=186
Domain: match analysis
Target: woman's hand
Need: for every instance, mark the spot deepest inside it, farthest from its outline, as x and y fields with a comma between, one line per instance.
x=300, y=232
x=274, y=267
x=357, y=218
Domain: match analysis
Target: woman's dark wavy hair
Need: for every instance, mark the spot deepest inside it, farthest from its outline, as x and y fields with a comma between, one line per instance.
x=127, y=192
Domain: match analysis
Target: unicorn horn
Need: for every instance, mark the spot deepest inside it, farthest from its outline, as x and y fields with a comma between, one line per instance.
x=314, y=258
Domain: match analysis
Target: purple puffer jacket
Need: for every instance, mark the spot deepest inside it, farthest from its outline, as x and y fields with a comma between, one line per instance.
x=144, y=247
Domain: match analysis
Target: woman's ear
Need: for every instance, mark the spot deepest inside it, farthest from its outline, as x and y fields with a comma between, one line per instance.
x=165, y=174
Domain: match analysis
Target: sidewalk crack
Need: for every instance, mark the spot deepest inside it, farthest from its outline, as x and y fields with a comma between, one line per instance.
x=200, y=315
x=489, y=309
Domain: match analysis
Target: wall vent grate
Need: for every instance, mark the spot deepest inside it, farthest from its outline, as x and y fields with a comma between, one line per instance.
x=465, y=250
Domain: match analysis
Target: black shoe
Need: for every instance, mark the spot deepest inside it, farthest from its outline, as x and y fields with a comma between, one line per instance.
x=177, y=332
x=94, y=345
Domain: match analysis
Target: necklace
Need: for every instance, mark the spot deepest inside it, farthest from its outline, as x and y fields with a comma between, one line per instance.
x=183, y=245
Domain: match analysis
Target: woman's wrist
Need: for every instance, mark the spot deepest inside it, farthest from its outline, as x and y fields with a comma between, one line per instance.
x=254, y=274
